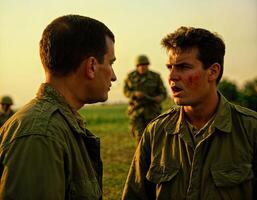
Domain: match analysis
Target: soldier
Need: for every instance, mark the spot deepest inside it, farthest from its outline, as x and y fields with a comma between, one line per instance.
x=46, y=152
x=6, y=111
x=204, y=147
x=145, y=91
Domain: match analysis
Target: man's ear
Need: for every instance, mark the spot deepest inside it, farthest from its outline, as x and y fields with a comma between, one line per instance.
x=214, y=71
x=89, y=66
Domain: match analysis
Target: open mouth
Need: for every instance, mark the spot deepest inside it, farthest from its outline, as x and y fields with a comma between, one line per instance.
x=176, y=89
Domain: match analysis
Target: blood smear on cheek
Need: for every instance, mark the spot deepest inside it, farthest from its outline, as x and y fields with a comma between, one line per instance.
x=193, y=80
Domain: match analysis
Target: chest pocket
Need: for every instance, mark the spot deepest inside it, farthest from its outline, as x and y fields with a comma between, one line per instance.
x=85, y=189
x=232, y=181
x=231, y=174
x=160, y=173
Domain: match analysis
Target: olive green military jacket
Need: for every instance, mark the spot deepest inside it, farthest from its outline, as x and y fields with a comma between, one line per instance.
x=46, y=153
x=223, y=165
x=151, y=85
x=4, y=116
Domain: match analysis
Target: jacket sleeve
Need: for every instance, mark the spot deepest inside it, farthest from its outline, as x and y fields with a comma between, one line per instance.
x=127, y=90
x=255, y=164
x=137, y=187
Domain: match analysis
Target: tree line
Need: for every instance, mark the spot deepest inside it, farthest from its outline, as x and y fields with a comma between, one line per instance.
x=245, y=96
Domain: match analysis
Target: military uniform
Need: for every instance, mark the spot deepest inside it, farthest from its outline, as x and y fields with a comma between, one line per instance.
x=222, y=165
x=6, y=112
x=47, y=153
x=4, y=116
x=141, y=111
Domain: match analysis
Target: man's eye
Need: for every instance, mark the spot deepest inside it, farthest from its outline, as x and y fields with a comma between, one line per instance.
x=169, y=66
x=182, y=67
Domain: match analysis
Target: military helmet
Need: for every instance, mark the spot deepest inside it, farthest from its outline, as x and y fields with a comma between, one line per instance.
x=6, y=100
x=142, y=59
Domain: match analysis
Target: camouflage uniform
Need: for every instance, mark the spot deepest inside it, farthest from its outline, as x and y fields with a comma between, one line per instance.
x=141, y=111
x=47, y=153
x=168, y=164
x=4, y=116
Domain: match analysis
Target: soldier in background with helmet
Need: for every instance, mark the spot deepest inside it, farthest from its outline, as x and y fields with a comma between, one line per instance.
x=145, y=91
x=6, y=112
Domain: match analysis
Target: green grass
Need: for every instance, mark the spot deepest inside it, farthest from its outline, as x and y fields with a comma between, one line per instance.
x=110, y=123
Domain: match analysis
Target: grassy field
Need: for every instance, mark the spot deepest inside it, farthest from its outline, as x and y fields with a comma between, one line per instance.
x=110, y=123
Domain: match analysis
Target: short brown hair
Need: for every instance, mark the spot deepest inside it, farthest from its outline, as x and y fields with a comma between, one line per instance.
x=211, y=48
x=69, y=39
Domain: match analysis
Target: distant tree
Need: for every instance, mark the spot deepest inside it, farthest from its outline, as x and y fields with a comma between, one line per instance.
x=249, y=94
x=228, y=89
x=250, y=87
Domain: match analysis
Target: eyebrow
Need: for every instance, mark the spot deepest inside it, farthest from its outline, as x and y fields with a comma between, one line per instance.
x=178, y=64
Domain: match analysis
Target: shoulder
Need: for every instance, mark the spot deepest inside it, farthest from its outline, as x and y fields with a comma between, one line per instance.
x=158, y=129
x=244, y=117
x=245, y=111
x=165, y=117
x=35, y=118
x=174, y=109
x=156, y=77
x=131, y=77
x=153, y=73
x=132, y=74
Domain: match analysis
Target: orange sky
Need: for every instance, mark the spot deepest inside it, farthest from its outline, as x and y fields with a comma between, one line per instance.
x=138, y=25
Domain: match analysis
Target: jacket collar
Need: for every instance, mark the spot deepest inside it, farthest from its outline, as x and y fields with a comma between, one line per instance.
x=75, y=121
x=222, y=119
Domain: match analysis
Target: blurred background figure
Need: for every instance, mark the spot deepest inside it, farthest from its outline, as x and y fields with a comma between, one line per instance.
x=5, y=111
x=145, y=91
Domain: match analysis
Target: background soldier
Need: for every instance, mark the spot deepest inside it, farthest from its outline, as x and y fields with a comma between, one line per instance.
x=6, y=111
x=145, y=91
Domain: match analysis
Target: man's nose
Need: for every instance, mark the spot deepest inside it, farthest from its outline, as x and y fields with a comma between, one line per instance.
x=113, y=78
x=173, y=76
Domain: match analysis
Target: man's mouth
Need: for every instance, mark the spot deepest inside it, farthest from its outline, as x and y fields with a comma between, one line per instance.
x=175, y=89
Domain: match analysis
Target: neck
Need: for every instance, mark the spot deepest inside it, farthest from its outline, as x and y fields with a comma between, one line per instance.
x=65, y=86
x=200, y=114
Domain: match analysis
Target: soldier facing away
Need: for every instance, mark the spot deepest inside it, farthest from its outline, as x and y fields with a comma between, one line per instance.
x=46, y=151
x=145, y=91
x=6, y=112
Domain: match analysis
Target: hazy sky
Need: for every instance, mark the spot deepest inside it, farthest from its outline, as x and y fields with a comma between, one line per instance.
x=138, y=25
